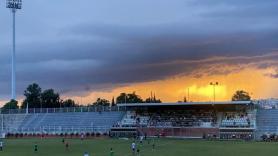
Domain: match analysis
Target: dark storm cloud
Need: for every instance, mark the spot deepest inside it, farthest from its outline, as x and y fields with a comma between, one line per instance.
x=158, y=43
x=99, y=51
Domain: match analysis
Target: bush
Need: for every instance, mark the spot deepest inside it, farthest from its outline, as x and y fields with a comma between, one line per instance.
x=71, y=135
x=97, y=134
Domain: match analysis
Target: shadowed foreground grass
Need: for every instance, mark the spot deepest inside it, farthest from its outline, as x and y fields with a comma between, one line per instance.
x=164, y=147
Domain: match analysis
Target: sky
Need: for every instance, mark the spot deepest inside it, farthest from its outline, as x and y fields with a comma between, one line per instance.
x=86, y=49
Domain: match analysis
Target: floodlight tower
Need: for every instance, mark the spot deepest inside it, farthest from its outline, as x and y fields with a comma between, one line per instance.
x=214, y=84
x=14, y=5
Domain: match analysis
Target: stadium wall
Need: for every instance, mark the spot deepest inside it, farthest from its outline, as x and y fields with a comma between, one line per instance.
x=181, y=132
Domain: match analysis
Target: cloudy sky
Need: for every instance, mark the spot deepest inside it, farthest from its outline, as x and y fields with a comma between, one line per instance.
x=90, y=48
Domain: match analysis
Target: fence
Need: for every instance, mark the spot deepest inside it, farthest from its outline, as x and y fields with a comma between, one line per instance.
x=63, y=110
x=59, y=129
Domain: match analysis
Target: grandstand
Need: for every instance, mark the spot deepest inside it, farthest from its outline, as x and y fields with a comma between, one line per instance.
x=267, y=122
x=225, y=120
x=60, y=122
x=222, y=120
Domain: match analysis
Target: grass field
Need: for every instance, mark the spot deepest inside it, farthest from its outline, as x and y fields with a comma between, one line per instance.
x=164, y=147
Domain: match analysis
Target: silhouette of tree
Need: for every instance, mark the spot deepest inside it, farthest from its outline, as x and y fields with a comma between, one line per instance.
x=68, y=103
x=129, y=98
x=13, y=104
x=101, y=102
x=241, y=95
x=113, y=102
x=50, y=99
x=32, y=96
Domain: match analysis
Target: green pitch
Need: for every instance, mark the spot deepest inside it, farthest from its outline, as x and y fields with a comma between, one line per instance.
x=163, y=147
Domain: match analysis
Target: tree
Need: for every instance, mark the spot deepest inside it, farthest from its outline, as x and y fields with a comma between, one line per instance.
x=129, y=98
x=184, y=99
x=13, y=104
x=133, y=98
x=122, y=98
x=32, y=96
x=241, y=95
x=101, y=102
x=113, y=102
x=148, y=100
x=46, y=99
x=68, y=103
x=50, y=99
x=152, y=100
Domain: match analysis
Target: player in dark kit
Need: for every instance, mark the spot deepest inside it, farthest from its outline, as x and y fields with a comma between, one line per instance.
x=138, y=151
x=36, y=148
x=67, y=146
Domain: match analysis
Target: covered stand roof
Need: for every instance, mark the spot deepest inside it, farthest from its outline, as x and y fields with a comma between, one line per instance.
x=184, y=104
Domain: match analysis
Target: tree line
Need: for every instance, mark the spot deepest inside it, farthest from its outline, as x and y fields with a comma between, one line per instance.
x=35, y=97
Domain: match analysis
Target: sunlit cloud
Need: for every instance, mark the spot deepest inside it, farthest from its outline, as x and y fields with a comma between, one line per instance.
x=252, y=80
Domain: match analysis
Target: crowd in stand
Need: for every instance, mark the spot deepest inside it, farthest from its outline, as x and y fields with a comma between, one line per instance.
x=184, y=118
x=132, y=119
x=236, y=119
x=270, y=137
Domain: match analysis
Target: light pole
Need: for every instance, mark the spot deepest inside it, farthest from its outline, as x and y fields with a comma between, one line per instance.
x=214, y=84
x=188, y=94
x=14, y=5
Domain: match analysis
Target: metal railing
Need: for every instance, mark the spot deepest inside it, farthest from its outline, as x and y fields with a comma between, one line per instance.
x=63, y=110
x=59, y=130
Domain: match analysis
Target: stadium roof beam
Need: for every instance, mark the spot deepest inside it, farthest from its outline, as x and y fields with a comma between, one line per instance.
x=185, y=104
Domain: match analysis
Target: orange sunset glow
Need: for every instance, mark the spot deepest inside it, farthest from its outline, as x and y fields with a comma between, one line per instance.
x=176, y=88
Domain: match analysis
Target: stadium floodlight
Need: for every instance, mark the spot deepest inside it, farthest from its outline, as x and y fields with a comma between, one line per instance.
x=214, y=84
x=14, y=5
